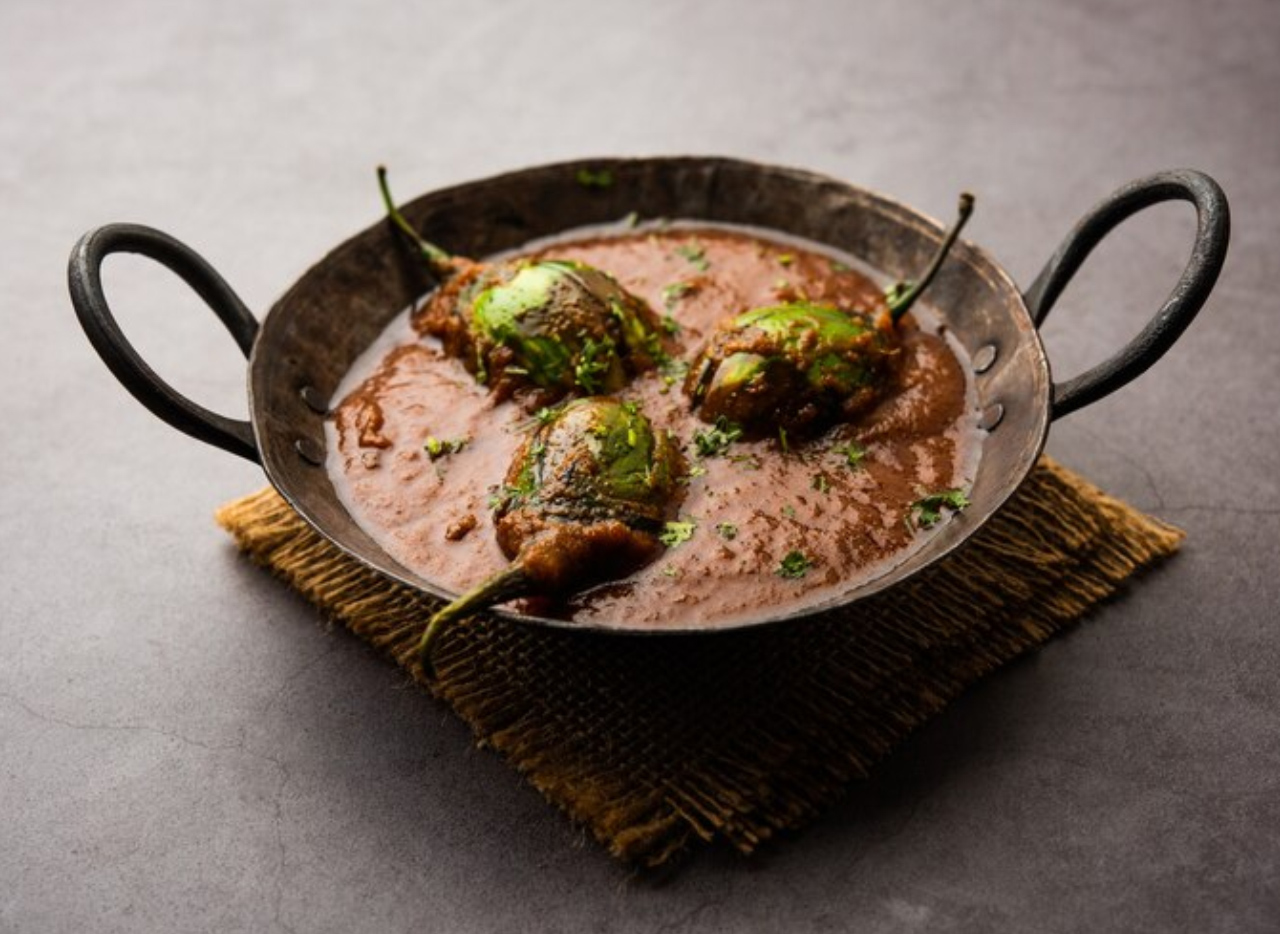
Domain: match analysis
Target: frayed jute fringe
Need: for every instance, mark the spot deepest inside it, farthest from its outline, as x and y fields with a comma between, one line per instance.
x=655, y=744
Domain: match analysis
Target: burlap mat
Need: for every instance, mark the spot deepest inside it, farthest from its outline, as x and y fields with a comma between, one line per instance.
x=655, y=744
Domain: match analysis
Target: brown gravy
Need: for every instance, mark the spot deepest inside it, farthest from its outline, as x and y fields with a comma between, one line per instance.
x=752, y=506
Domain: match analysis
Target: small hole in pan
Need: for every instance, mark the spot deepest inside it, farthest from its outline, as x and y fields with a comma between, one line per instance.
x=314, y=400
x=992, y=416
x=309, y=451
x=984, y=358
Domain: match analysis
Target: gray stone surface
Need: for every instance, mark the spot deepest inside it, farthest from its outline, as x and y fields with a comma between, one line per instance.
x=182, y=748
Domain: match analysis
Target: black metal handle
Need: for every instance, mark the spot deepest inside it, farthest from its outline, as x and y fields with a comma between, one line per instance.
x=1213, y=231
x=84, y=275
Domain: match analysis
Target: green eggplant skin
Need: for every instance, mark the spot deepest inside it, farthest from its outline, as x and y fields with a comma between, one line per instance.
x=587, y=493
x=546, y=328
x=584, y=501
x=795, y=366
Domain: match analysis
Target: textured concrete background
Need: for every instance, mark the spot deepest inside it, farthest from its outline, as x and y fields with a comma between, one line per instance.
x=182, y=748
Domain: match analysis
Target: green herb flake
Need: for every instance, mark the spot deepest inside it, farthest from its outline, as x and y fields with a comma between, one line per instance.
x=853, y=454
x=631, y=220
x=676, y=533
x=727, y=530
x=794, y=565
x=670, y=325
x=594, y=178
x=789, y=511
x=504, y=496
x=671, y=294
x=821, y=483
x=837, y=266
x=675, y=368
x=671, y=571
x=927, y=510
x=716, y=439
x=786, y=259
x=437, y=448
x=695, y=470
x=695, y=254
x=782, y=440
x=593, y=364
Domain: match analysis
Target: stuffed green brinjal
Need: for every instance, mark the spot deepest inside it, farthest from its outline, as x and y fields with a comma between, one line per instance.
x=544, y=328
x=802, y=366
x=584, y=501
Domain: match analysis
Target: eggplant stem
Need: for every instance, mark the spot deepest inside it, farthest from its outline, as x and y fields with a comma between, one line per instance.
x=900, y=303
x=436, y=258
x=507, y=584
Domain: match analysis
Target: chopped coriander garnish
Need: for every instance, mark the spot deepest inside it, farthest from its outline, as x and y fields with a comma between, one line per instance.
x=437, y=448
x=676, y=533
x=670, y=325
x=821, y=483
x=781, y=285
x=748, y=461
x=540, y=417
x=728, y=531
x=716, y=439
x=594, y=178
x=631, y=220
x=928, y=508
x=671, y=571
x=786, y=259
x=671, y=294
x=674, y=368
x=594, y=363
x=853, y=454
x=789, y=511
x=782, y=440
x=501, y=497
x=695, y=254
x=837, y=266
x=695, y=470
x=794, y=566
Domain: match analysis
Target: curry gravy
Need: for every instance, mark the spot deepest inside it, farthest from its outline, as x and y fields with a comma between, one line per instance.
x=751, y=506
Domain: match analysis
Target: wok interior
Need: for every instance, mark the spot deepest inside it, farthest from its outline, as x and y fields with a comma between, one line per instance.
x=315, y=332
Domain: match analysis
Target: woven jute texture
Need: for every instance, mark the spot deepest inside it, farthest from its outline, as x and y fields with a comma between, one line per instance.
x=656, y=744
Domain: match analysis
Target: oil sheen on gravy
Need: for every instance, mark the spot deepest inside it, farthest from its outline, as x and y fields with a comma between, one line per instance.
x=752, y=506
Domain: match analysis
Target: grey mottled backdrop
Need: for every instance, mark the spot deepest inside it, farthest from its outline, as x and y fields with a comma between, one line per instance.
x=183, y=749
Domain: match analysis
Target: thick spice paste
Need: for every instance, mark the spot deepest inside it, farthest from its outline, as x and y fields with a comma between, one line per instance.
x=418, y=449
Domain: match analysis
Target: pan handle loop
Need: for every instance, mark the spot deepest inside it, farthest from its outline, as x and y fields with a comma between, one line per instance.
x=84, y=275
x=1213, y=231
